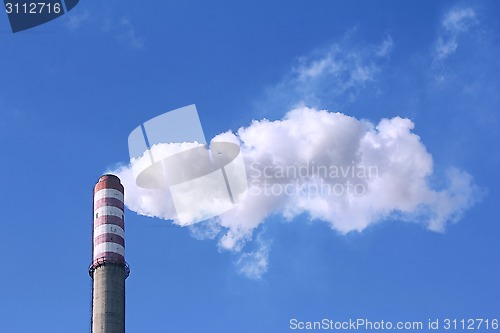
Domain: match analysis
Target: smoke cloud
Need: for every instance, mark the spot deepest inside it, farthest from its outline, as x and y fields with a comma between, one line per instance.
x=334, y=168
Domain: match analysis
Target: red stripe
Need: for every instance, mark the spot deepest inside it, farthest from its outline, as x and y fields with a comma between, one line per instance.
x=111, y=255
x=109, y=238
x=108, y=202
x=109, y=219
x=108, y=184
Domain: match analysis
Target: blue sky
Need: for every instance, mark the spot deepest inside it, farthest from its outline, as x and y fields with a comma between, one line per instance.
x=72, y=90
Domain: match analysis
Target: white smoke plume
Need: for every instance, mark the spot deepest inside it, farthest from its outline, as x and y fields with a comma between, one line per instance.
x=334, y=168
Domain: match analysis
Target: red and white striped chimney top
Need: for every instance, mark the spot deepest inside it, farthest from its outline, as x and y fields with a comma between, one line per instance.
x=109, y=228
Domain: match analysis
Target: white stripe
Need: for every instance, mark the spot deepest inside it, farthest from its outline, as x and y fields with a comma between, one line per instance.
x=108, y=193
x=108, y=247
x=109, y=229
x=108, y=210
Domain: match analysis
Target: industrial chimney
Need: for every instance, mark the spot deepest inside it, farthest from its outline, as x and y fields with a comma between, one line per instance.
x=108, y=269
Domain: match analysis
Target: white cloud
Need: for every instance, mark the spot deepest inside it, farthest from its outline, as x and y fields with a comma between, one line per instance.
x=124, y=32
x=450, y=205
x=345, y=70
x=206, y=230
x=255, y=263
x=128, y=35
x=385, y=49
x=456, y=22
x=334, y=168
x=76, y=19
x=335, y=73
x=459, y=19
